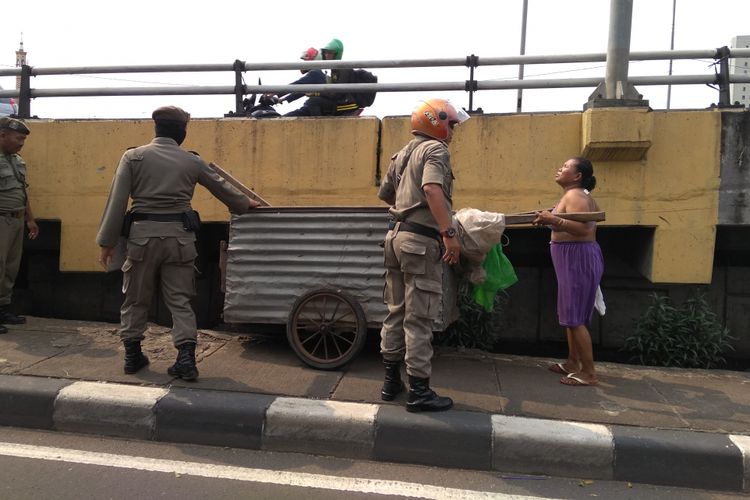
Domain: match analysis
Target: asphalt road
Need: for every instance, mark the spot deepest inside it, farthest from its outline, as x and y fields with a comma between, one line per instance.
x=39, y=465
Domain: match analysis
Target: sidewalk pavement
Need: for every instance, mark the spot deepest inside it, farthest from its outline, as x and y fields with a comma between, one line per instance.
x=664, y=426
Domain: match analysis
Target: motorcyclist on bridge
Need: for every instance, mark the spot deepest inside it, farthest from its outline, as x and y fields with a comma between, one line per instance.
x=329, y=104
x=345, y=103
x=309, y=77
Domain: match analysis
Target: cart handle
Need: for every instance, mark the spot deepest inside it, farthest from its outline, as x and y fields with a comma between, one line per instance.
x=234, y=182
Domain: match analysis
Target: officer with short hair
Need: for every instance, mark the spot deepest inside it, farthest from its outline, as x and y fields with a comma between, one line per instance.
x=14, y=211
x=160, y=179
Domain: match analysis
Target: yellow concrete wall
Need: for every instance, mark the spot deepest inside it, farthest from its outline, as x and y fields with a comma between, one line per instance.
x=503, y=163
x=506, y=163
x=287, y=161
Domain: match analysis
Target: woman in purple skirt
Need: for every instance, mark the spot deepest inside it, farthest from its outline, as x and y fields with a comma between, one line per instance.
x=578, y=264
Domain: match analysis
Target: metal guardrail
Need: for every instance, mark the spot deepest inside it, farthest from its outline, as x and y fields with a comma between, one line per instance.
x=722, y=78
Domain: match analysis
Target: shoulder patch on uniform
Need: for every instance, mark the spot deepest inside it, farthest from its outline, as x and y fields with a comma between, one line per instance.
x=195, y=153
x=134, y=153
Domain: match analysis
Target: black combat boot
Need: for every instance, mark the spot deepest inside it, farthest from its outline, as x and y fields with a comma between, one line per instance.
x=134, y=358
x=8, y=318
x=184, y=367
x=392, y=385
x=422, y=398
x=3, y=330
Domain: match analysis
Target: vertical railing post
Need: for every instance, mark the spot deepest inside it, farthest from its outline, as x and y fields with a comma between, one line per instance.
x=24, y=96
x=239, y=86
x=472, y=61
x=722, y=77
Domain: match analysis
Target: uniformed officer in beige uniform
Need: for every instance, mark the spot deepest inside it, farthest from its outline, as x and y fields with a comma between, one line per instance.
x=160, y=178
x=14, y=211
x=419, y=186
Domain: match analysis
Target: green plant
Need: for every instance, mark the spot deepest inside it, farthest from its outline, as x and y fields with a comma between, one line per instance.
x=687, y=336
x=475, y=328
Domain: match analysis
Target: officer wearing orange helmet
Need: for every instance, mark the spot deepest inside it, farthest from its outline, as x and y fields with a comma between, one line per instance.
x=419, y=188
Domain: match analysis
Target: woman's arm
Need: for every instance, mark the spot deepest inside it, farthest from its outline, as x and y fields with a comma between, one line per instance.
x=572, y=201
x=576, y=201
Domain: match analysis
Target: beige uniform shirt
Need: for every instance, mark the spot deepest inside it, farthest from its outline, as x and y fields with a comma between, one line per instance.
x=12, y=183
x=160, y=178
x=422, y=161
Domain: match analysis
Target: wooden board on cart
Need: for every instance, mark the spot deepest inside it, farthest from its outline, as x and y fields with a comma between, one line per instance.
x=528, y=217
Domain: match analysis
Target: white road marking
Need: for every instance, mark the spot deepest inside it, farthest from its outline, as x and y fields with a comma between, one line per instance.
x=743, y=443
x=297, y=479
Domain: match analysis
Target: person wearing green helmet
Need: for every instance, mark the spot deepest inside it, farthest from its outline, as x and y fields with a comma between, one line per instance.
x=333, y=50
x=342, y=103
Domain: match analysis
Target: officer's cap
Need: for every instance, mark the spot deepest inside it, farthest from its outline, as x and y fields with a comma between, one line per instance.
x=171, y=114
x=13, y=124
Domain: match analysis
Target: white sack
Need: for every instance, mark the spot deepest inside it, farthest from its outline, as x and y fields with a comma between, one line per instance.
x=479, y=231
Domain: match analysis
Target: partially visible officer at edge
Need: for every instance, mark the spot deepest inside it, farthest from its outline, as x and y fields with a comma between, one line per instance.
x=14, y=211
x=160, y=178
x=419, y=188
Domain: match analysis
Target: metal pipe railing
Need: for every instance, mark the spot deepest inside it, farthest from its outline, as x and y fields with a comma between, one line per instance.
x=720, y=56
x=381, y=63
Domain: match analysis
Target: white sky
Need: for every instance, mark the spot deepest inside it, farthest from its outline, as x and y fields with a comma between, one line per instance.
x=88, y=33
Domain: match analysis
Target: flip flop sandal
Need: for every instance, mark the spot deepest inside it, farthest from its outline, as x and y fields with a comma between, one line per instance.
x=572, y=379
x=558, y=368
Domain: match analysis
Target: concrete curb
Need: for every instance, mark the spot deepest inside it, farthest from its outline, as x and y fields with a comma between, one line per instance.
x=461, y=439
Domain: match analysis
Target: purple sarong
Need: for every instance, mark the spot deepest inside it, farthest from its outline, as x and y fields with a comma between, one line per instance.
x=579, y=267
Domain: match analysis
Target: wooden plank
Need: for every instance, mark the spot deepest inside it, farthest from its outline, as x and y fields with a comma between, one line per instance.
x=528, y=217
x=234, y=182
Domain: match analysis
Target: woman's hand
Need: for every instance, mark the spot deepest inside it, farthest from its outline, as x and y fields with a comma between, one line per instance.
x=549, y=219
x=546, y=218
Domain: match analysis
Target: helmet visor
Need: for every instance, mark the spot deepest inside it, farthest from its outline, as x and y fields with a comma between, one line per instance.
x=462, y=115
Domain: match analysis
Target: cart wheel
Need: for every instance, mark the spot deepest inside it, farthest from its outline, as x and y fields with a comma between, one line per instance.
x=326, y=329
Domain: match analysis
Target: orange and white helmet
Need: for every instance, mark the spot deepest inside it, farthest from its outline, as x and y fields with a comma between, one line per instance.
x=311, y=54
x=436, y=118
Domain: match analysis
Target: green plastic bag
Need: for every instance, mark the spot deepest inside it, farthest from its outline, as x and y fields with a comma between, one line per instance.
x=500, y=275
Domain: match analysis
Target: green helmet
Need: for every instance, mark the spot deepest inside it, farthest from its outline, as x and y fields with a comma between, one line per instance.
x=336, y=47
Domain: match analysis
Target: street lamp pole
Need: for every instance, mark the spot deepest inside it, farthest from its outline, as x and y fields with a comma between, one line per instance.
x=519, y=100
x=671, y=47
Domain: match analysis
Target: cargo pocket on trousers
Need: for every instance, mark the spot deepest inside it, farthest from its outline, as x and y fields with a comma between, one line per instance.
x=427, y=299
x=136, y=250
x=187, y=250
x=413, y=257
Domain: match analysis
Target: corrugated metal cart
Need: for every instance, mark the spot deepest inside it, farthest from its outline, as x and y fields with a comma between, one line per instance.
x=318, y=270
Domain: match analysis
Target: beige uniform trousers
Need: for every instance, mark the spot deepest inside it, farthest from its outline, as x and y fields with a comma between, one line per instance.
x=413, y=293
x=11, y=246
x=170, y=260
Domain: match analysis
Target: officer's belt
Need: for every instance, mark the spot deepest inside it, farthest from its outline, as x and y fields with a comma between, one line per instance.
x=16, y=214
x=413, y=227
x=158, y=217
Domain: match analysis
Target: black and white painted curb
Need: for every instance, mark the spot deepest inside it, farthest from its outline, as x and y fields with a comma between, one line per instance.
x=460, y=439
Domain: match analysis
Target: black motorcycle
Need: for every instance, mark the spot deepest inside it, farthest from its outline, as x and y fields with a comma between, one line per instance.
x=264, y=108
